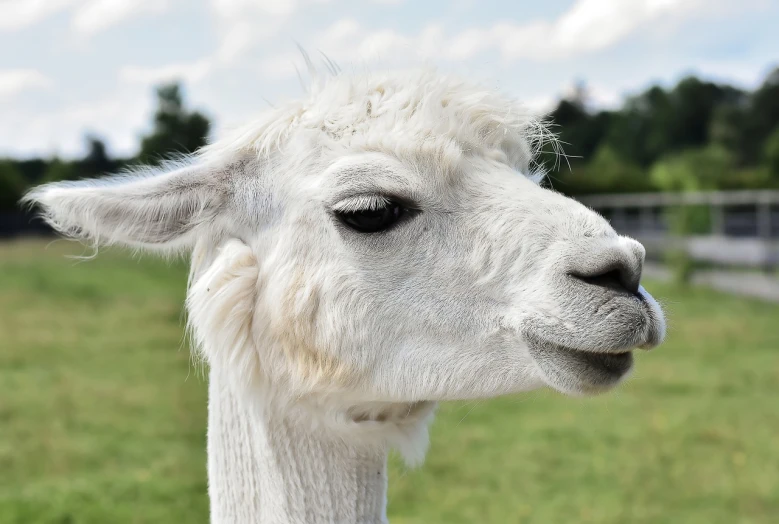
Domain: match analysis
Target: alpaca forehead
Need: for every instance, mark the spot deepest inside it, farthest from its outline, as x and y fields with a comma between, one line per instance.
x=424, y=107
x=425, y=98
x=401, y=112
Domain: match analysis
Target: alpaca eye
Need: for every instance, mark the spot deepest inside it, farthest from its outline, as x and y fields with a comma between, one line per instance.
x=373, y=220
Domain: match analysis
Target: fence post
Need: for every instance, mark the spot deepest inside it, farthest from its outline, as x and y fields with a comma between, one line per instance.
x=717, y=213
x=647, y=220
x=764, y=220
x=763, y=210
x=618, y=219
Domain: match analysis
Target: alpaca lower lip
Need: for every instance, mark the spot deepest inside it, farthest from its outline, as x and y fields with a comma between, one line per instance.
x=607, y=363
x=612, y=363
x=575, y=371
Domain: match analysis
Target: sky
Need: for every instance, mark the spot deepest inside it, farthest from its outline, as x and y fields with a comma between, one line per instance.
x=74, y=67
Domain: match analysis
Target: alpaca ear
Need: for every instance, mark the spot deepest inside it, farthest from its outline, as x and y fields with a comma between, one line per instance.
x=155, y=208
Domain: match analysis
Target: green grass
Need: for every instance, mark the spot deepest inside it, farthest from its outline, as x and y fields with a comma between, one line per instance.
x=102, y=415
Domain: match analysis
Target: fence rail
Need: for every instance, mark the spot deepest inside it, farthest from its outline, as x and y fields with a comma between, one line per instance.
x=691, y=198
x=753, y=213
x=743, y=225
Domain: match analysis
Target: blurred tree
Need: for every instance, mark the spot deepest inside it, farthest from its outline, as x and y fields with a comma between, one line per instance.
x=640, y=130
x=61, y=170
x=176, y=130
x=694, y=104
x=760, y=119
x=618, y=173
x=608, y=172
x=96, y=162
x=694, y=170
x=580, y=132
x=771, y=154
x=674, y=174
x=12, y=185
x=658, y=122
x=726, y=127
x=32, y=169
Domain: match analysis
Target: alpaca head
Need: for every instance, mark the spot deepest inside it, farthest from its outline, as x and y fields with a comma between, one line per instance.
x=384, y=240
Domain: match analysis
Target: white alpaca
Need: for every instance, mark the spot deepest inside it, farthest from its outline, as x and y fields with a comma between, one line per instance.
x=357, y=256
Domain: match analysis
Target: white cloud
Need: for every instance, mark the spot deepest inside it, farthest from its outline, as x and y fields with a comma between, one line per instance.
x=591, y=25
x=87, y=16
x=118, y=118
x=242, y=24
x=191, y=72
x=237, y=38
x=604, y=97
x=241, y=8
x=279, y=66
x=747, y=73
x=347, y=40
x=588, y=26
x=18, y=14
x=594, y=94
x=541, y=104
x=98, y=15
x=15, y=81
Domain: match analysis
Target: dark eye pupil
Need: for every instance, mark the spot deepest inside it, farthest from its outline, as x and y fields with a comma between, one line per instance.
x=373, y=220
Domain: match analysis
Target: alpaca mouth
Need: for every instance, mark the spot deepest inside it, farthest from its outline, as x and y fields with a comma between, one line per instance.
x=589, y=356
x=578, y=372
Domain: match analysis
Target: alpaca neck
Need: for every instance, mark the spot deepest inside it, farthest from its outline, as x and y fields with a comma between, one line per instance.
x=265, y=467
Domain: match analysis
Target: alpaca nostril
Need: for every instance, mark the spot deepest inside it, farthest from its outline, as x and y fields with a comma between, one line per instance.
x=609, y=263
x=621, y=278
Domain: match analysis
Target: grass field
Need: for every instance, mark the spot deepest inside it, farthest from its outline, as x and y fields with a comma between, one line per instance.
x=102, y=415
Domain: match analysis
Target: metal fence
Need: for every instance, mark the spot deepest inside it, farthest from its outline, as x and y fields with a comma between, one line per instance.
x=742, y=230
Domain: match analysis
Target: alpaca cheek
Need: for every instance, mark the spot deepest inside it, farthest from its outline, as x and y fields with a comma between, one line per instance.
x=310, y=364
x=220, y=304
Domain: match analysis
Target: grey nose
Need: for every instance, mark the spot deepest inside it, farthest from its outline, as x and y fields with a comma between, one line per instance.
x=616, y=265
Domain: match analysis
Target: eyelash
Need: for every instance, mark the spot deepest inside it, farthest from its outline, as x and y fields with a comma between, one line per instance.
x=370, y=214
x=362, y=203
